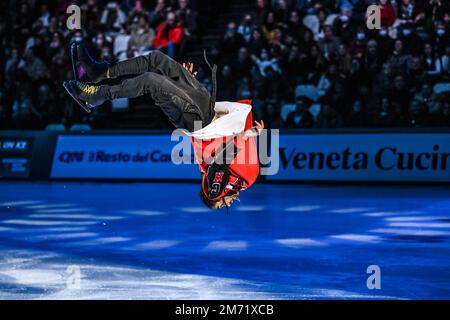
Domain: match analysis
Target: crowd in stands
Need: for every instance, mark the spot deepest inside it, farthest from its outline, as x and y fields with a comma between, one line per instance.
x=304, y=63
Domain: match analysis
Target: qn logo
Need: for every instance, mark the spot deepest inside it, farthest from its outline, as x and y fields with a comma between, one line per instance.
x=74, y=20
x=373, y=17
x=374, y=280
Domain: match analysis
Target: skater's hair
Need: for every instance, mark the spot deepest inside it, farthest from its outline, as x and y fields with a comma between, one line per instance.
x=206, y=201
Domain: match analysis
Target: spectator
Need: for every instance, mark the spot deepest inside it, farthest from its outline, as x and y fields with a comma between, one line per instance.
x=426, y=95
x=318, y=50
x=387, y=116
x=372, y=59
x=433, y=63
x=244, y=90
x=435, y=113
x=113, y=17
x=294, y=27
x=261, y=11
x=400, y=94
x=269, y=26
x=272, y=116
x=406, y=10
x=264, y=61
x=226, y=90
x=231, y=43
x=328, y=118
x=243, y=63
x=412, y=42
x=301, y=117
x=387, y=13
x=445, y=115
x=257, y=42
x=399, y=57
x=188, y=16
x=329, y=44
x=141, y=35
x=281, y=10
x=344, y=59
x=356, y=118
x=246, y=27
x=169, y=34
x=158, y=14
x=33, y=66
x=417, y=114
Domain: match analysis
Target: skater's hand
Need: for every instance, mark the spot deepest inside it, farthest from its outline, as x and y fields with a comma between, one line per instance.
x=190, y=67
x=254, y=131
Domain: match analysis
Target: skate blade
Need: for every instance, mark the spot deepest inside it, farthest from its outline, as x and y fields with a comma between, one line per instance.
x=84, y=105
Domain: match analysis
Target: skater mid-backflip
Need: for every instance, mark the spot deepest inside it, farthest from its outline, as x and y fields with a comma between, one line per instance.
x=217, y=129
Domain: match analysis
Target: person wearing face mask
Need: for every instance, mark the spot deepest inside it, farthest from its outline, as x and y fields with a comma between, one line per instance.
x=412, y=42
x=441, y=37
x=246, y=27
x=383, y=33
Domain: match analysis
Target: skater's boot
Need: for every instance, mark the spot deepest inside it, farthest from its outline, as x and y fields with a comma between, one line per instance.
x=86, y=94
x=95, y=70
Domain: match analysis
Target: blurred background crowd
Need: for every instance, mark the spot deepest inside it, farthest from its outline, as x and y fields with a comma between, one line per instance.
x=304, y=63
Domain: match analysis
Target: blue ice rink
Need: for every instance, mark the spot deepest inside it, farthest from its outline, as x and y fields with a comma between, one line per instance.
x=156, y=241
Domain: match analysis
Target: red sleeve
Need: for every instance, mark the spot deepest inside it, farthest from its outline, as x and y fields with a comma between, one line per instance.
x=176, y=35
x=159, y=40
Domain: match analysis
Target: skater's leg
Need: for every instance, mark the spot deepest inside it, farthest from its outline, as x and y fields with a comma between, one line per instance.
x=157, y=62
x=175, y=99
x=158, y=86
x=182, y=105
x=165, y=65
x=98, y=71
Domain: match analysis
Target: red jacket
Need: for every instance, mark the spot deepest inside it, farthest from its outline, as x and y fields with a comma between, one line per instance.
x=175, y=35
x=241, y=175
x=388, y=16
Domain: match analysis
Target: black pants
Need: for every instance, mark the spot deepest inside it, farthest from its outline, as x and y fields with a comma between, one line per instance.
x=174, y=89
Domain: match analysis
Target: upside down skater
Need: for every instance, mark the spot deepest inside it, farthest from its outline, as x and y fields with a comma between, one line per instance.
x=216, y=129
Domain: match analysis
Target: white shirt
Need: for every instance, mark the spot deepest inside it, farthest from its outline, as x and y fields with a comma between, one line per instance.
x=231, y=123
